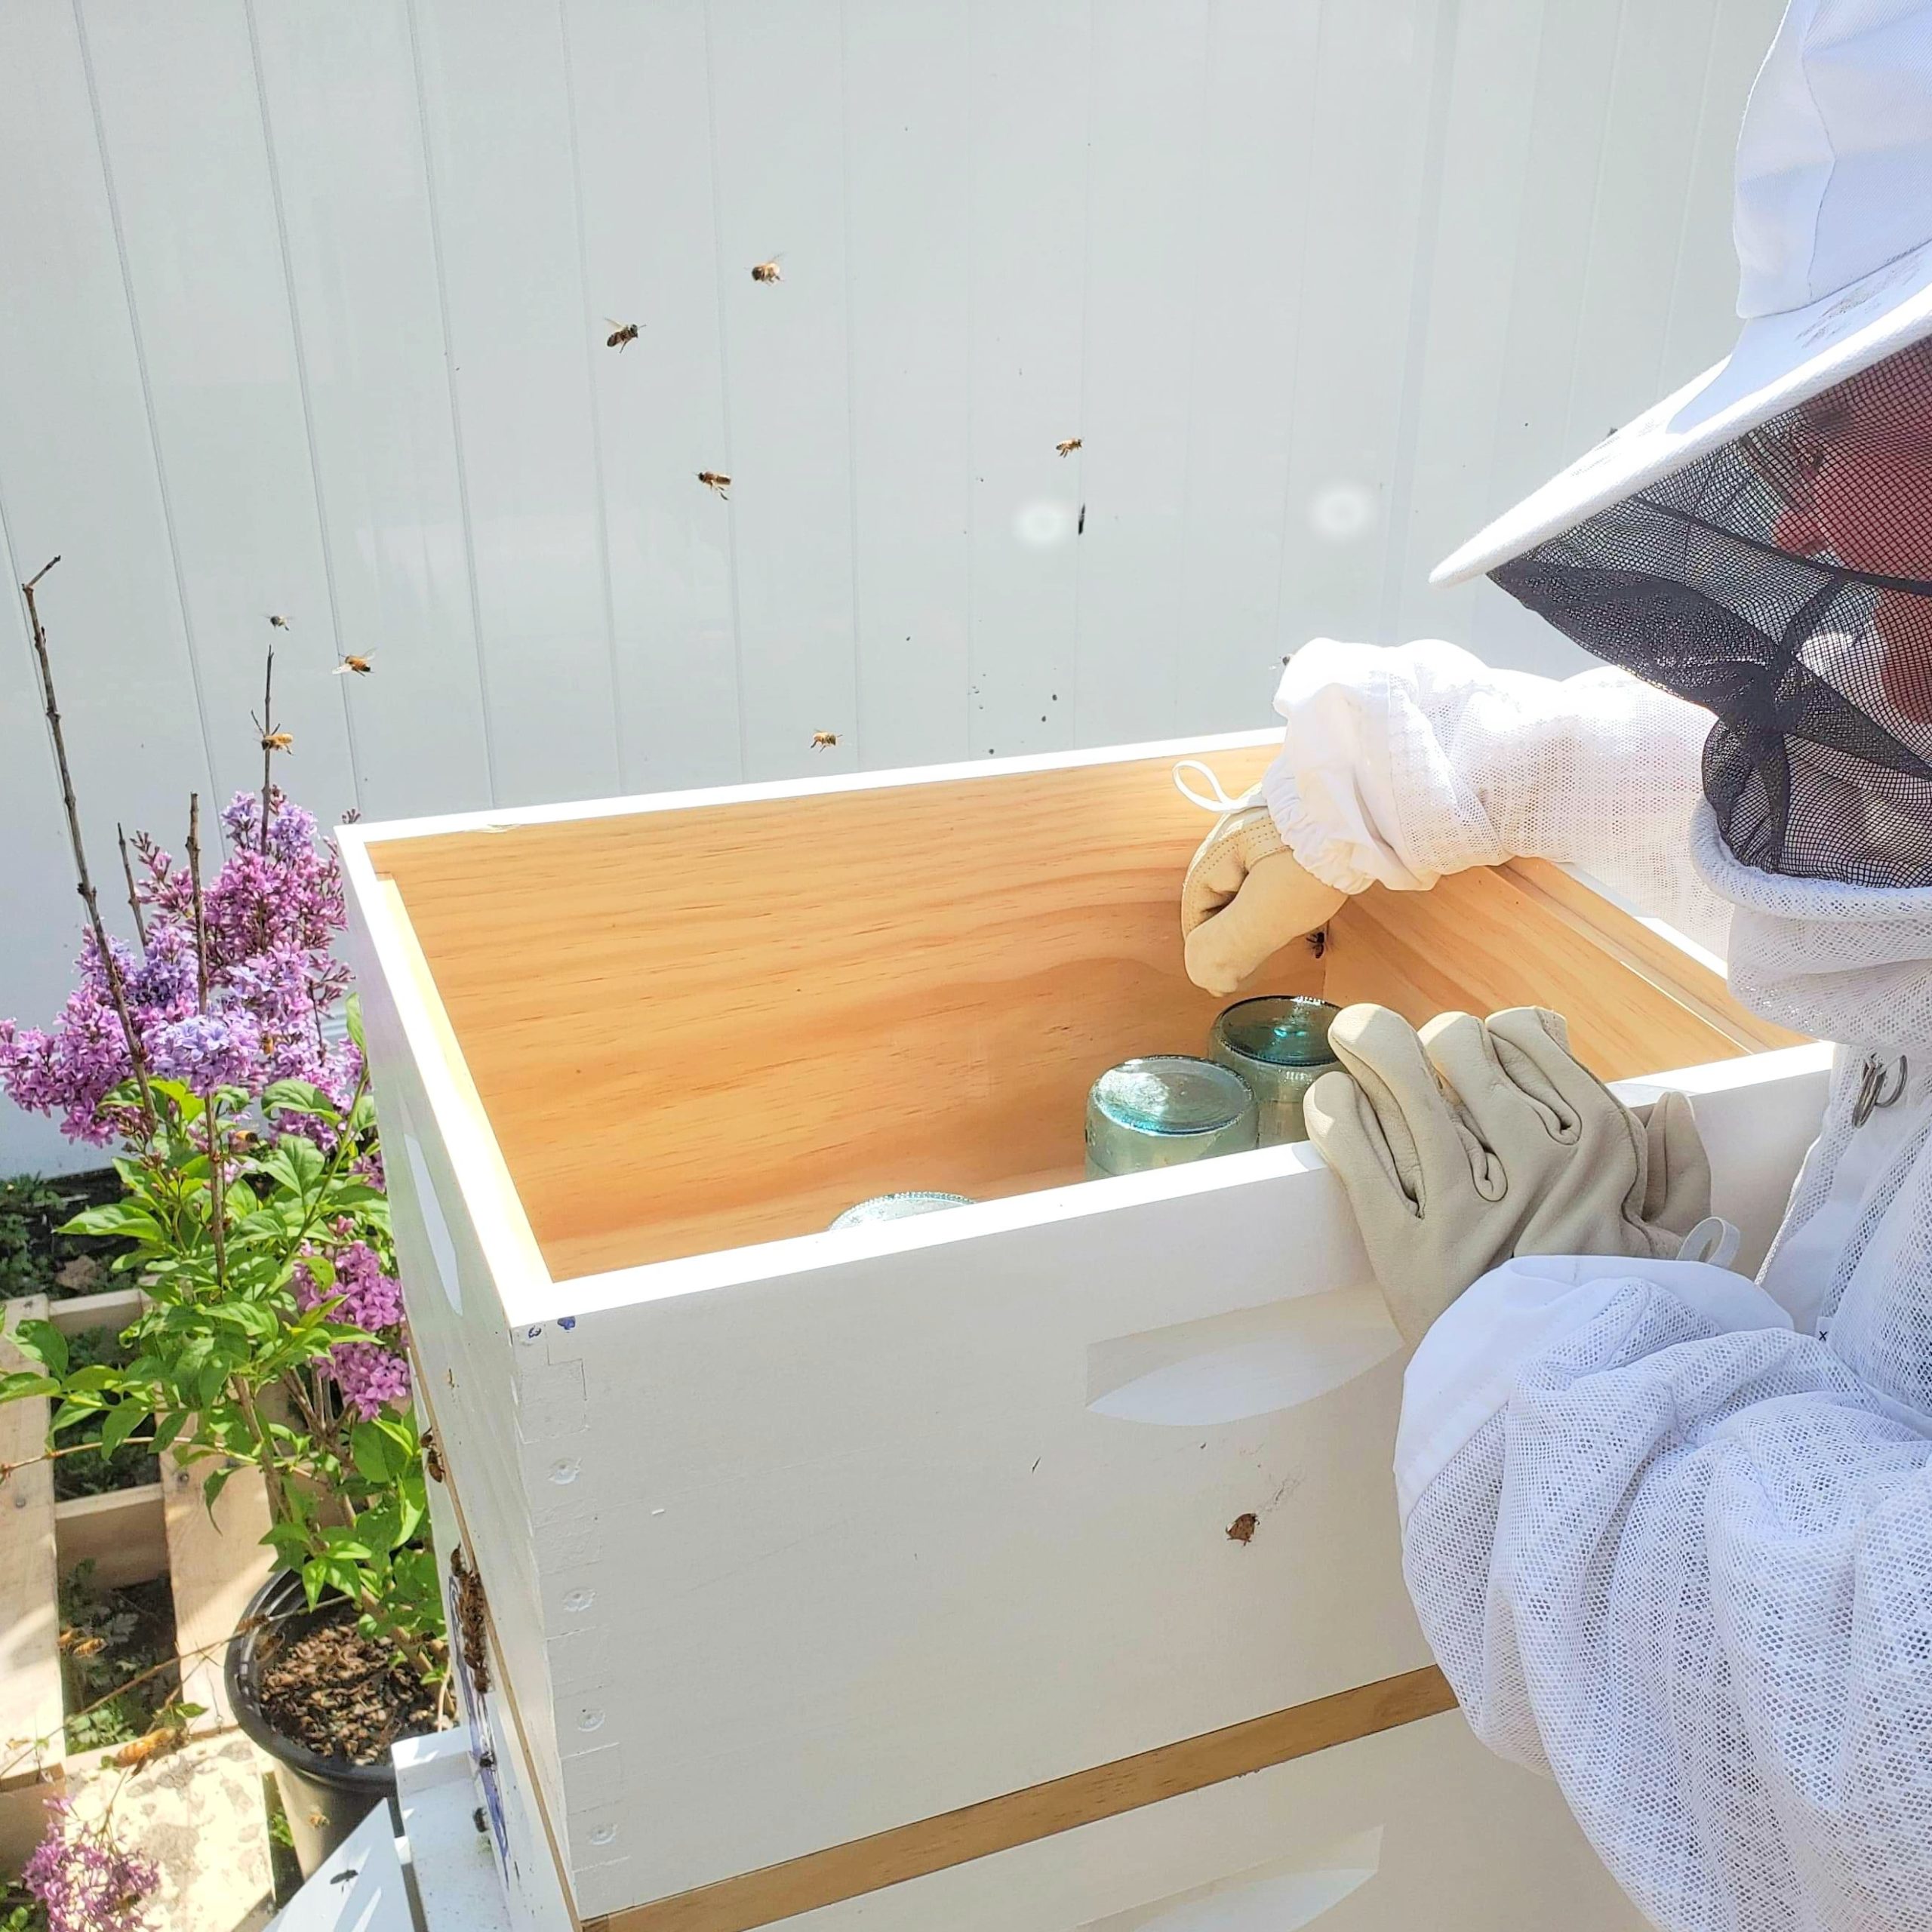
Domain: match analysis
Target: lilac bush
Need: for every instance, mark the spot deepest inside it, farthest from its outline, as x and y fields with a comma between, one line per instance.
x=85, y=1880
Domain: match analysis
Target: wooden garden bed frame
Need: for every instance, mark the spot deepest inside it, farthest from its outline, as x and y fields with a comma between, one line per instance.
x=214, y=1566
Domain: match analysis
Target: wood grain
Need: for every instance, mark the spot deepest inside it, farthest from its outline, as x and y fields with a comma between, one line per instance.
x=1020, y=1817
x=780, y=1006
x=215, y=1563
x=122, y=1533
x=30, y=1707
x=1480, y=940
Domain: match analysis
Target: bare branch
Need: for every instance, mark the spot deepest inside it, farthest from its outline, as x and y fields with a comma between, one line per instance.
x=268, y=740
x=137, y=1054
x=133, y=894
x=210, y=1110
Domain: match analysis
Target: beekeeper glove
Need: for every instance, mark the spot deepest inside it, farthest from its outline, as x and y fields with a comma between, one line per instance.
x=1473, y=1141
x=1245, y=896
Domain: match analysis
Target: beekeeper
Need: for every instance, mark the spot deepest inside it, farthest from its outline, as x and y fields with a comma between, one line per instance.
x=1668, y=1531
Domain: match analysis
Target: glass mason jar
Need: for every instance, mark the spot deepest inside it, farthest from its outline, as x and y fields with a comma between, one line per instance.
x=1164, y=1110
x=1278, y=1045
x=899, y=1207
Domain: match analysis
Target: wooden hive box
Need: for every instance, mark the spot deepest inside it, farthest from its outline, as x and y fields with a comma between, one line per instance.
x=819, y=1564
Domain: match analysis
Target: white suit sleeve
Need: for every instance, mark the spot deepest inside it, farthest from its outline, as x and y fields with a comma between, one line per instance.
x=1402, y=763
x=1681, y=1558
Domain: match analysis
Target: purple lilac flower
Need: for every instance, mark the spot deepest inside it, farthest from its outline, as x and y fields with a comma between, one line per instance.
x=370, y=1378
x=364, y=1294
x=205, y=1051
x=85, y=1881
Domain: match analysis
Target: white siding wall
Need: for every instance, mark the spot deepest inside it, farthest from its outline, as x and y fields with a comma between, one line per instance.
x=302, y=309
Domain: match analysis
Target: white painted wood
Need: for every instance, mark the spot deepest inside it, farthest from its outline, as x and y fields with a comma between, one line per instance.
x=358, y=1888
x=1419, y=1827
x=791, y=1544
x=1413, y=249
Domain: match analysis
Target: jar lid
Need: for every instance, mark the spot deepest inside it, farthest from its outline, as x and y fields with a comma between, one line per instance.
x=1280, y=1030
x=899, y=1207
x=1171, y=1094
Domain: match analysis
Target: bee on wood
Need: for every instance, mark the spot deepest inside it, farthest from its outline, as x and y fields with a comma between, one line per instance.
x=823, y=741
x=714, y=479
x=280, y=623
x=360, y=665
x=1067, y=448
x=432, y=1456
x=622, y=335
x=767, y=271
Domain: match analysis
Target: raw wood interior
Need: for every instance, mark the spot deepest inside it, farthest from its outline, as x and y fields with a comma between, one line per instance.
x=697, y=1028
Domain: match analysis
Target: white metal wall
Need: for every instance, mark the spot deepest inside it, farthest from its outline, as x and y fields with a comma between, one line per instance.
x=302, y=310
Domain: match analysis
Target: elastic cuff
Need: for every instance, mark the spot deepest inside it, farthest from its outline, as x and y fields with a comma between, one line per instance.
x=1350, y=865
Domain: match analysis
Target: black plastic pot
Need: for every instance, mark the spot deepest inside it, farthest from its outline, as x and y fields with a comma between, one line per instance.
x=325, y=1797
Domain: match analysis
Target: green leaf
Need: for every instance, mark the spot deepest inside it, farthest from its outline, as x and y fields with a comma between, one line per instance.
x=23, y=1383
x=373, y=1452
x=169, y=1428
x=298, y=1096
x=122, y=1420
x=45, y=1343
x=315, y=1579
x=120, y=1218
x=352, y=1014
x=212, y=1485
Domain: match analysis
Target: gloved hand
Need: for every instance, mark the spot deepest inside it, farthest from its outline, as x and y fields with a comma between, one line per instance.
x=1245, y=897
x=1525, y=1152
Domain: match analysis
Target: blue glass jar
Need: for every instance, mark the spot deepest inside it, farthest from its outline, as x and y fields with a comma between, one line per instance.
x=1279, y=1045
x=899, y=1207
x=1164, y=1110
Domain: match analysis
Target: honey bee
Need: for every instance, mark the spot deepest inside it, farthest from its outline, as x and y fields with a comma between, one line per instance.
x=622, y=335
x=86, y=1647
x=360, y=665
x=1067, y=448
x=278, y=741
x=767, y=271
x=151, y=1745
x=280, y=623
x=432, y=1456
x=823, y=741
x=713, y=479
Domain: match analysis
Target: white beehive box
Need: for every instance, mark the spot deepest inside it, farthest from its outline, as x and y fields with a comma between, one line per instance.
x=887, y=1577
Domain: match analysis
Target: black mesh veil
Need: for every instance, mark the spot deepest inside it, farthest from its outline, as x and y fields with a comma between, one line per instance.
x=1785, y=582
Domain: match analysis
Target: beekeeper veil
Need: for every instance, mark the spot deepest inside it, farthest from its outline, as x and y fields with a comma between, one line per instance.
x=1761, y=542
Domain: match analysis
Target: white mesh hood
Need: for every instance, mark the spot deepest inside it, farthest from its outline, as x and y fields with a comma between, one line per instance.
x=1849, y=963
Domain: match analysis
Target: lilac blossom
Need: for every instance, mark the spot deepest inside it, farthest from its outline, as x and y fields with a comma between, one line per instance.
x=369, y=1375
x=84, y=1880
x=271, y=919
x=371, y=1379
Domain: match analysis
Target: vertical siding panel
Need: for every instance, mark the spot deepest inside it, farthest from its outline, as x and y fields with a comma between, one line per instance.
x=1703, y=321
x=1027, y=249
x=1149, y=62
x=777, y=84
x=907, y=174
x=182, y=131
x=340, y=101
x=643, y=120
x=521, y=337
x=1576, y=58
x=1367, y=190
x=1463, y=371
x=78, y=478
x=1248, y=291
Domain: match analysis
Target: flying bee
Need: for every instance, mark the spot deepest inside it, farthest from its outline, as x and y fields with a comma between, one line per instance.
x=1067, y=448
x=280, y=623
x=622, y=335
x=767, y=271
x=823, y=741
x=278, y=741
x=715, y=479
x=360, y=665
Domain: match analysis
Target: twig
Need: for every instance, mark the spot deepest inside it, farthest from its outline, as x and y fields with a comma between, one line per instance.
x=211, y=1107
x=137, y=1052
x=133, y=894
x=268, y=740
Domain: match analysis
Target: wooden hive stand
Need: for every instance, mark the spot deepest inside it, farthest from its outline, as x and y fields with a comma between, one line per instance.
x=214, y=1565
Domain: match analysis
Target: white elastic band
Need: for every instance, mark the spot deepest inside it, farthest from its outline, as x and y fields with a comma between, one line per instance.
x=1713, y=1240
x=1219, y=801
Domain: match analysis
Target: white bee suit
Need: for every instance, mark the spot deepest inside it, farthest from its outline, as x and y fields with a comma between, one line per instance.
x=1669, y=1531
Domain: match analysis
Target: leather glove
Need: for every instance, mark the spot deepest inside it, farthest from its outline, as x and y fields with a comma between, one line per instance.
x=1245, y=897
x=1473, y=1141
